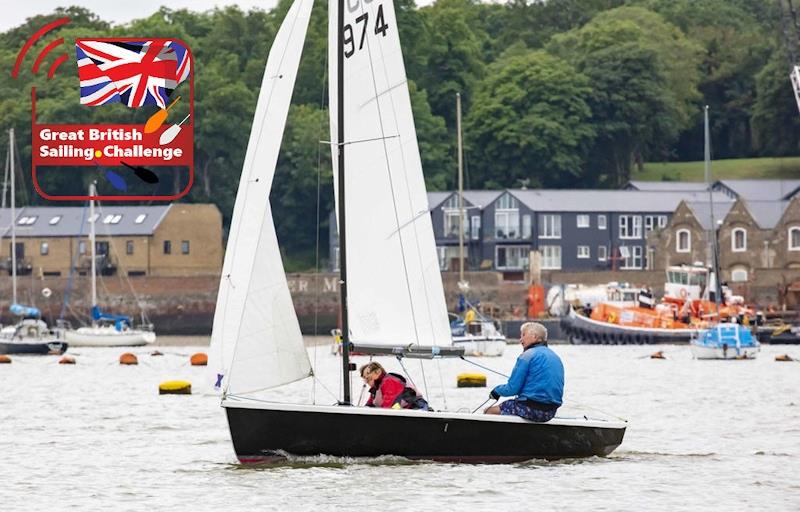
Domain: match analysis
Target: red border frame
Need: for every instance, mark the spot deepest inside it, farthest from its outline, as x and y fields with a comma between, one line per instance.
x=173, y=197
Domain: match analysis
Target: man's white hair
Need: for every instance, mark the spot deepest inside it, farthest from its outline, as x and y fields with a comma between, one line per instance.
x=534, y=328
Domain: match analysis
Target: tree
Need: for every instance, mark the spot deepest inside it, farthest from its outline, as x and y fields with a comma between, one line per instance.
x=776, y=123
x=530, y=119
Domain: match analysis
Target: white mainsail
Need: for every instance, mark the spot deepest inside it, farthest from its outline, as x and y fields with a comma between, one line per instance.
x=256, y=342
x=395, y=293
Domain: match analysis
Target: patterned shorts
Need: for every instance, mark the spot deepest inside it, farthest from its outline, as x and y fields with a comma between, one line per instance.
x=523, y=410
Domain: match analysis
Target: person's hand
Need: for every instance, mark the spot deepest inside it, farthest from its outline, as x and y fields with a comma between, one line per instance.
x=495, y=395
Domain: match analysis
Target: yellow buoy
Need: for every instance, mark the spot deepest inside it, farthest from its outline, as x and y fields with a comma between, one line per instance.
x=66, y=360
x=199, y=359
x=4, y=359
x=471, y=380
x=175, y=387
x=128, y=358
x=784, y=357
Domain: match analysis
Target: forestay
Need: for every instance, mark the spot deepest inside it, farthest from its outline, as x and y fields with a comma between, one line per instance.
x=395, y=294
x=256, y=341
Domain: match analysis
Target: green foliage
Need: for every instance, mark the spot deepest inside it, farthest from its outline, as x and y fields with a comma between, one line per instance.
x=530, y=120
x=622, y=81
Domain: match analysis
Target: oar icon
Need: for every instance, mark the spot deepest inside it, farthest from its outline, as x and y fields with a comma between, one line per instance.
x=117, y=181
x=143, y=173
x=157, y=119
x=171, y=132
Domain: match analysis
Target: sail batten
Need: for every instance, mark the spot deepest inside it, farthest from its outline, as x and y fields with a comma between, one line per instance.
x=256, y=341
x=395, y=293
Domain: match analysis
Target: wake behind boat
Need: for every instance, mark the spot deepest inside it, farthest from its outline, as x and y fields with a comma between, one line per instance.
x=391, y=290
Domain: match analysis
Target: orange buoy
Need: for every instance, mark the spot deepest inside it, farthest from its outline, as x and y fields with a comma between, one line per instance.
x=782, y=357
x=657, y=355
x=199, y=359
x=128, y=358
x=66, y=360
x=156, y=353
x=4, y=359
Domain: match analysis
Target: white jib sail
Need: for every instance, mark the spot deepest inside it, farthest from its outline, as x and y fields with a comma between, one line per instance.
x=395, y=294
x=256, y=342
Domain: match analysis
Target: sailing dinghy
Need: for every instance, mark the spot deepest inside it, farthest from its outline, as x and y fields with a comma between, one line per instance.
x=391, y=290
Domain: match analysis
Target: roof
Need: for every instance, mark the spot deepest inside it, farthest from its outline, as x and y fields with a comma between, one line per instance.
x=436, y=198
x=543, y=200
x=702, y=211
x=666, y=186
x=67, y=221
x=767, y=214
x=759, y=190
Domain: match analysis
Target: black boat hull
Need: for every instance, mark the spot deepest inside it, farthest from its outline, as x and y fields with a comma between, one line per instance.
x=266, y=432
x=41, y=348
x=579, y=330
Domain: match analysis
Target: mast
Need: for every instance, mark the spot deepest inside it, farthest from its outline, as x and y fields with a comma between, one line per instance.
x=712, y=232
x=92, y=194
x=460, y=194
x=13, y=220
x=341, y=220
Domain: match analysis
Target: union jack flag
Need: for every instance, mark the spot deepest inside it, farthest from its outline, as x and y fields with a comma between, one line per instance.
x=132, y=72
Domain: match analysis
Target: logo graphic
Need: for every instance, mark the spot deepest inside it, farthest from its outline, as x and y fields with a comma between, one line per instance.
x=142, y=74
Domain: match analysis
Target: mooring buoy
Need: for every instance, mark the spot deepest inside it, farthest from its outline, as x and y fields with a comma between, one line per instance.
x=66, y=360
x=128, y=358
x=4, y=359
x=175, y=387
x=199, y=359
x=471, y=380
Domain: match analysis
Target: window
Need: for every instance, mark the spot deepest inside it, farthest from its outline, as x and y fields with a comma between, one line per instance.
x=662, y=221
x=506, y=217
x=446, y=255
x=739, y=240
x=583, y=252
x=140, y=218
x=55, y=220
x=101, y=248
x=601, y=222
x=683, y=241
x=107, y=219
x=550, y=226
x=511, y=257
x=794, y=239
x=44, y=249
x=632, y=257
x=167, y=247
x=92, y=219
x=27, y=220
x=451, y=223
x=185, y=247
x=82, y=247
x=630, y=226
x=526, y=226
x=129, y=247
x=551, y=257
x=583, y=221
x=602, y=253
x=475, y=227
x=112, y=218
x=738, y=274
x=335, y=258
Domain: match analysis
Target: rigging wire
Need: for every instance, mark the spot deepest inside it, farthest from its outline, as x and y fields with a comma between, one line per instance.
x=72, y=264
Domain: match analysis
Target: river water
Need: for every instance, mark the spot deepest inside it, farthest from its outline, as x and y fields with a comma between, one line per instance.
x=702, y=435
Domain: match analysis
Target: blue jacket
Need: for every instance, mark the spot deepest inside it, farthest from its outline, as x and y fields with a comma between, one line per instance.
x=538, y=376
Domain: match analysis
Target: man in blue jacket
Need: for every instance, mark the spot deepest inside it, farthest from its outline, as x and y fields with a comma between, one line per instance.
x=537, y=380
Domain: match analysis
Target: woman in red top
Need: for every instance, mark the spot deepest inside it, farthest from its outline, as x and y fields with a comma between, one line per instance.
x=384, y=387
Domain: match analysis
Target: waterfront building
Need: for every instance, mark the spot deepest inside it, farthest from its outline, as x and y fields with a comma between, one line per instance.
x=177, y=239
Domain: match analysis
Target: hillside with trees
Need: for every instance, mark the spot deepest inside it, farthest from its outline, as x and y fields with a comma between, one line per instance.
x=556, y=93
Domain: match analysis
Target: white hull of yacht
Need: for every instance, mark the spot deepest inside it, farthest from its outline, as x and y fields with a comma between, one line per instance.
x=108, y=337
x=707, y=352
x=478, y=346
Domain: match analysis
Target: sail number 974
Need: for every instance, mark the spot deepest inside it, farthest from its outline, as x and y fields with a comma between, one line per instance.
x=362, y=22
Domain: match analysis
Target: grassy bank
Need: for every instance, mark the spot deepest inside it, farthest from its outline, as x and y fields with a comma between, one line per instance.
x=740, y=168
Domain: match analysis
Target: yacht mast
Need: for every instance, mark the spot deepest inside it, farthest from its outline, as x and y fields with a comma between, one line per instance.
x=13, y=220
x=712, y=232
x=460, y=194
x=92, y=194
x=341, y=221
